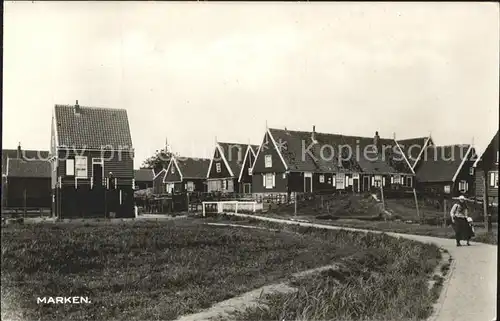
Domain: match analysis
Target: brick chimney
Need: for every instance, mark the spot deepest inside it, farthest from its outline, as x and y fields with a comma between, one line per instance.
x=77, y=108
x=313, y=134
x=19, y=151
x=376, y=142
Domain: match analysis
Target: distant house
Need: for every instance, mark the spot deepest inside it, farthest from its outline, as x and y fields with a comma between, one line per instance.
x=159, y=186
x=25, y=179
x=143, y=178
x=225, y=168
x=446, y=170
x=92, y=162
x=298, y=161
x=186, y=174
x=245, y=175
x=486, y=167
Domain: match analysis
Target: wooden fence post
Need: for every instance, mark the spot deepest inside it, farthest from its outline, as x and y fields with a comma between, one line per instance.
x=445, y=212
x=24, y=202
x=187, y=199
x=416, y=204
x=487, y=217
x=382, y=197
x=295, y=204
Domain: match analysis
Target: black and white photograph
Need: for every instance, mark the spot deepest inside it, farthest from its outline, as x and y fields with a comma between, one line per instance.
x=232, y=160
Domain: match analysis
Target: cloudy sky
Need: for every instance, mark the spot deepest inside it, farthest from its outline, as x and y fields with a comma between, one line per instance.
x=196, y=71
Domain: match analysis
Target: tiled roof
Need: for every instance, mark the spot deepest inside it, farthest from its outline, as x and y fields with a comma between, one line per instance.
x=143, y=175
x=440, y=163
x=412, y=147
x=28, y=154
x=93, y=128
x=234, y=154
x=352, y=148
x=193, y=167
x=28, y=168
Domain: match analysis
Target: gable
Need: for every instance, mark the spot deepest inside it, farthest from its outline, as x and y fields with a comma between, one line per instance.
x=267, y=148
x=217, y=158
x=172, y=172
x=441, y=163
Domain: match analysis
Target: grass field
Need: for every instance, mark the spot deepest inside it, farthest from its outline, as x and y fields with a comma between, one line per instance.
x=385, y=280
x=161, y=270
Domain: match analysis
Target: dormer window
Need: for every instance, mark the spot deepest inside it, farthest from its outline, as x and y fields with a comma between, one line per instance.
x=471, y=171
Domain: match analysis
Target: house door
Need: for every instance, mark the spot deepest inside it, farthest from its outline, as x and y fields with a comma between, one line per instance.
x=247, y=188
x=307, y=182
x=355, y=185
x=366, y=183
x=97, y=174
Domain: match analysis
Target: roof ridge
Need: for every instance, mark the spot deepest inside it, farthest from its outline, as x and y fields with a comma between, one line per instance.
x=91, y=107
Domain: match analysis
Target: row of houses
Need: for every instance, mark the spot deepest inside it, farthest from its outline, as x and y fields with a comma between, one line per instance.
x=290, y=161
x=89, y=170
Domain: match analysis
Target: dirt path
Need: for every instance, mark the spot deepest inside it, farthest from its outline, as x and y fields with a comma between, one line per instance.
x=470, y=290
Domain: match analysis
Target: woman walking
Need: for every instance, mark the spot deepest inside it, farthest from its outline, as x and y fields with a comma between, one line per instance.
x=459, y=220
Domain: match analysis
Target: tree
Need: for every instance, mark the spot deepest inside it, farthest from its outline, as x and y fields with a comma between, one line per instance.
x=159, y=160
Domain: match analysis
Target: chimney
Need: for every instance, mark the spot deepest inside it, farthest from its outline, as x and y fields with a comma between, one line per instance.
x=376, y=141
x=313, y=134
x=77, y=108
x=19, y=152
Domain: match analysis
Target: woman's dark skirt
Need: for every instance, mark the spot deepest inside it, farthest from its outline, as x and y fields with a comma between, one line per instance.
x=463, y=230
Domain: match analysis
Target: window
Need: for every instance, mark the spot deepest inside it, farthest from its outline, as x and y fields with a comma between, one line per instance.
x=81, y=166
x=321, y=178
x=340, y=181
x=224, y=185
x=250, y=171
x=190, y=186
x=462, y=186
x=409, y=181
x=70, y=167
x=269, y=161
x=397, y=179
x=269, y=180
x=447, y=189
x=217, y=167
x=493, y=179
x=377, y=180
x=471, y=171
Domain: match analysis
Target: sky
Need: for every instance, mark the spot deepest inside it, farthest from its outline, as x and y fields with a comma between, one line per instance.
x=194, y=72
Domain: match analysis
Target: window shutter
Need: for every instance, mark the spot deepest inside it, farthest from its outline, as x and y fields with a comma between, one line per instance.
x=334, y=180
x=383, y=180
x=392, y=179
x=70, y=167
x=466, y=186
x=492, y=179
x=274, y=180
x=263, y=180
x=373, y=181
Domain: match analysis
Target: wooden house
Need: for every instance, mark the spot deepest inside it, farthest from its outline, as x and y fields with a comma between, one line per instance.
x=25, y=179
x=446, y=170
x=225, y=169
x=92, y=162
x=486, y=168
x=143, y=178
x=186, y=174
x=298, y=161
